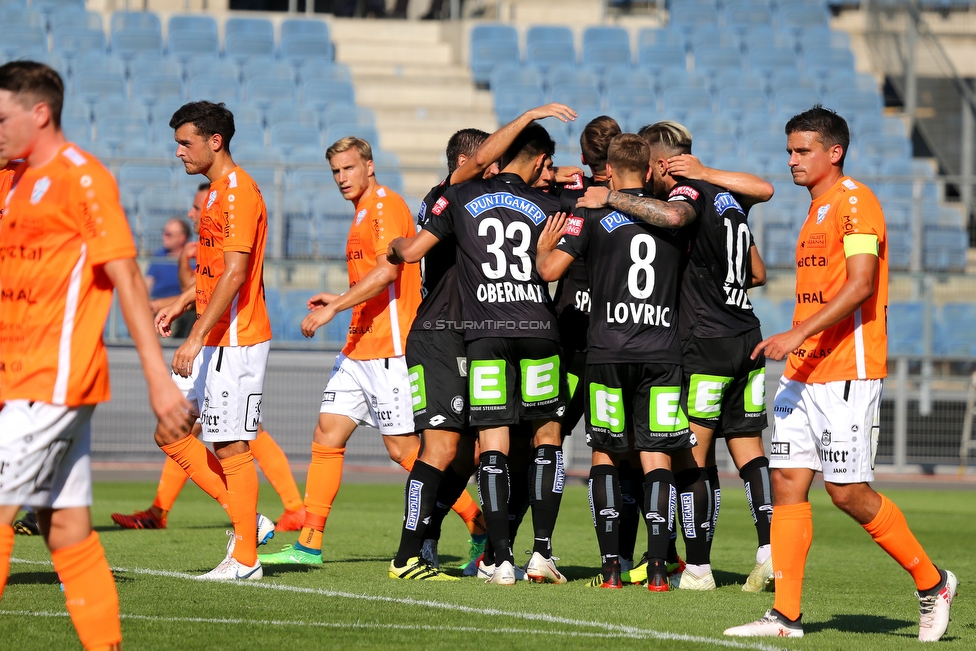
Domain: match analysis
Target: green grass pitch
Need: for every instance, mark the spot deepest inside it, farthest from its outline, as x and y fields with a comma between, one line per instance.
x=855, y=596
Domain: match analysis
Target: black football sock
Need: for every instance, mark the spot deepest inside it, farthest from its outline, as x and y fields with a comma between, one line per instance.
x=605, y=501
x=755, y=476
x=489, y=557
x=659, y=505
x=716, y=487
x=419, y=496
x=631, y=498
x=546, y=479
x=695, y=500
x=452, y=485
x=493, y=487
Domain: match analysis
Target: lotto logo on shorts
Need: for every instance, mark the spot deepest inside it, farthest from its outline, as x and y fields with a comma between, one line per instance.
x=540, y=379
x=486, y=382
x=607, y=407
x=755, y=394
x=705, y=394
x=666, y=414
x=418, y=387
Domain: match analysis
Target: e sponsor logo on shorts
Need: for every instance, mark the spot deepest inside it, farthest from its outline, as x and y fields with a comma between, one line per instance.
x=780, y=450
x=328, y=396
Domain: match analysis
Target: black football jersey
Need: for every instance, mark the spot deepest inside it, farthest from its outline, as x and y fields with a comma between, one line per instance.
x=440, y=305
x=635, y=272
x=714, y=301
x=573, y=290
x=497, y=223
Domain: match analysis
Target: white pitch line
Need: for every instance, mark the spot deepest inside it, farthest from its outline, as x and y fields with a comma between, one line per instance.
x=606, y=628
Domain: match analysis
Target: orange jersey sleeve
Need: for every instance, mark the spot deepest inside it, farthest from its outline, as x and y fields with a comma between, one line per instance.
x=380, y=325
x=856, y=348
x=63, y=223
x=6, y=178
x=234, y=219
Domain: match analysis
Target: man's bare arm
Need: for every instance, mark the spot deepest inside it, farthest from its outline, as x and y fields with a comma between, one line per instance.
x=666, y=214
x=749, y=187
x=758, y=268
x=411, y=249
x=549, y=262
x=372, y=284
x=496, y=144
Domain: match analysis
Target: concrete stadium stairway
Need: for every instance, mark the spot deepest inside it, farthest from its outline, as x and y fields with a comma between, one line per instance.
x=413, y=79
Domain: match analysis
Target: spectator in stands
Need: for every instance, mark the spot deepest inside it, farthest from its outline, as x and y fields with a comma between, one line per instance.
x=162, y=276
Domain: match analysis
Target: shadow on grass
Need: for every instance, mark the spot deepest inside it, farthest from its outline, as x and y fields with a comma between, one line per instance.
x=102, y=528
x=728, y=578
x=860, y=624
x=287, y=569
x=50, y=578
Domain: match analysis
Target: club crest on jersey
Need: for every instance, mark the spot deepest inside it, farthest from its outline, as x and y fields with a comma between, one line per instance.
x=615, y=220
x=40, y=189
x=508, y=200
x=211, y=198
x=360, y=215
x=822, y=213
x=725, y=201
x=439, y=206
x=684, y=190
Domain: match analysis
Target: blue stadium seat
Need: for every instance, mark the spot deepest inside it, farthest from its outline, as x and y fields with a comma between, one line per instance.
x=899, y=249
x=288, y=136
x=800, y=19
x=955, y=334
x=72, y=41
x=580, y=97
x=712, y=145
x=512, y=73
x=309, y=182
x=210, y=67
x=623, y=101
x=640, y=119
x=347, y=113
x=191, y=24
x=112, y=132
x=120, y=107
x=905, y=325
x=300, y=244
x=265, y=66
x=563, y=74
x=243, y=45
x=850, y=102
x=486, y=55
x=264, y=91
x=152, y=64
x=16, y=39
x=544, y=55
x=385, y=160
x=129, y=43
x=796, y=100
x=687, y=16
x=687, y=100
x=764, y=145
x=215, y=89
x=766, y=60
x=790, y=79
x=512, y=101
x=883, y=146
x=737, y=102
x=21, y=17
x=678, y=78
x=299, y=47
x=253, y=26
x=815, y=38
x=135, y=20
x=137, y=177
x=93, y=86
x=716, y=57
x=319, y=69
x=744, y=17
x=155, y=87
x=549, y=35
x=828, y=63
x=661, y=57
x=292, y=113
x=321, y=93
x=80, y=19
x=185, y=45
x=761, y=36
x=77, y=130
x=248, y=133
x=338, y=130
x=652, y=37
x=620, y=77
x=600, y=54
x=305, y=27
x=945, y=250
x=252, y=153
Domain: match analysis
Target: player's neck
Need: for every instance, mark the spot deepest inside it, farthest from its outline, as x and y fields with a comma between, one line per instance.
x=222, y=165
x=820, y=188
x=368, y=192
x=47, y=145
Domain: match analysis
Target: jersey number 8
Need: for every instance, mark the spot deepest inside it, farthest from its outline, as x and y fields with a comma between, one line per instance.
x=642, y=252
x=521, y=271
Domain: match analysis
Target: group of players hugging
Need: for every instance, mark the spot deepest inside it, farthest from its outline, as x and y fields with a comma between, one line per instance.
x=459, y=356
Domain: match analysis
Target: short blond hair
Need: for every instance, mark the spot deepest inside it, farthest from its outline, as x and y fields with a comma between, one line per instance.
x=347, y=143
x=672, y=136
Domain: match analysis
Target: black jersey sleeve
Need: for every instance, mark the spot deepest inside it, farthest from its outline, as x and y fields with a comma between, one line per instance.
x=440, y=221
x=688, y=193
x=575, y=237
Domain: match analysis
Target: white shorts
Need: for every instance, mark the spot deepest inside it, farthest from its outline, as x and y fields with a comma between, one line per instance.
x=830, y=428
x=45, y=455
x=226, y=387
x=373, y=392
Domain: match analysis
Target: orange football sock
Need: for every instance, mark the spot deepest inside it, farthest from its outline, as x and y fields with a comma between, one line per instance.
x=6, y=550
x=274, y=464
x=202, y=466
x=321, y=488
x=790, y=535
x=89, y=590
x=890, y=530
x=171, y=482
x=242, y=492
x=468, y=509
x=410, y=459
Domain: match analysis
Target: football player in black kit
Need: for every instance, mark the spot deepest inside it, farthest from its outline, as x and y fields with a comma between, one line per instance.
x=632, y=382
x=437, y=364
x=724, y=389
x=513, y=351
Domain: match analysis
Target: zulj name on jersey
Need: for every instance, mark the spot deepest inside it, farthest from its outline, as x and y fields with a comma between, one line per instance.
x=508, y=292
x=654, y=315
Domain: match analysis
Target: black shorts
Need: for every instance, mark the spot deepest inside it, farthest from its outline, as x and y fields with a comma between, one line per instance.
x=573, y=325
x=724, y=389
x=642, y=398
x=437, y=368
x=514, y=379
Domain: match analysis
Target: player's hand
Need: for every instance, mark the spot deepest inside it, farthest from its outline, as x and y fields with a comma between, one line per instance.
x=189, y=250
x=316, y=320
x=686, y=166
x=320, y=300
x=185, y=354
x=550, y=235
x=172, y=410
x=567, y=174
x=392, y=254
x=555, y=110
x=595, y=197
x=166, y=316
x=779, y=346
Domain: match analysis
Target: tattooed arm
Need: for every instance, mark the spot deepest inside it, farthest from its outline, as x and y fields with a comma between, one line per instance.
x=665, y=214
